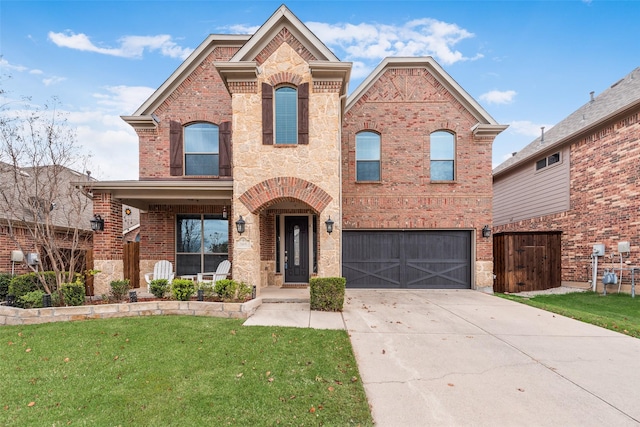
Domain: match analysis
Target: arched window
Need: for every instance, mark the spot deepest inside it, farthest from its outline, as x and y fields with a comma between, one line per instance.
x=367, y=156
x=201, y=149
x=286, y=112
x=442, y=155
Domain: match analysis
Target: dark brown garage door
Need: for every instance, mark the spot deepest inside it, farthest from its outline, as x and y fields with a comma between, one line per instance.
x=407, y=259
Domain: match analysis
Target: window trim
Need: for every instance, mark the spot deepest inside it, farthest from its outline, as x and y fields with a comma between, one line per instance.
x=453, y=160
x=372, y=132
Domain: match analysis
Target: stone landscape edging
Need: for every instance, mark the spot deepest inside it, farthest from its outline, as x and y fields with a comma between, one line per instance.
x=32, y=316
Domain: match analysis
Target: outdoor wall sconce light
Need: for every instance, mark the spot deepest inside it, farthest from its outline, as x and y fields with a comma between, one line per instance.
x=329, y=224
x=97, y=223
x=486, y=231
x=240, y=225
x=224, y=212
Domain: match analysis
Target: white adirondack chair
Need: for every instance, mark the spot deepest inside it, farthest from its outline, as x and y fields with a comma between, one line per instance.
x=221, y=273
x=162, y=270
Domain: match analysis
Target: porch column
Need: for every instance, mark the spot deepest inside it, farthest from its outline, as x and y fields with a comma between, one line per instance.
x=246, y=247
x=107, y=244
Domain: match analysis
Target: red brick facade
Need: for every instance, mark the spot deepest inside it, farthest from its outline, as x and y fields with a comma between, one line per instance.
x=604, y=198
x=405, y=106
x=201, y=97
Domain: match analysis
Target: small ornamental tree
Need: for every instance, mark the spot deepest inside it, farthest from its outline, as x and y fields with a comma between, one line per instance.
x=40, y=210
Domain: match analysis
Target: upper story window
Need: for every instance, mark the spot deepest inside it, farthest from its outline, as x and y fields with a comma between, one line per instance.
x=285, y=119
x=201, y=149
x=548, y=161
x=442, y=155
x=367, y=156
x=286, y=115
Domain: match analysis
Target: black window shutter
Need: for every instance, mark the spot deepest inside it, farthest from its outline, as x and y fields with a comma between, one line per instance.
x=303, y=113
x=175, y=148
x=225, y=149
x=267, y=114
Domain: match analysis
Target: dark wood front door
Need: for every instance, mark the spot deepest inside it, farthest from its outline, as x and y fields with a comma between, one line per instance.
x=296, y=249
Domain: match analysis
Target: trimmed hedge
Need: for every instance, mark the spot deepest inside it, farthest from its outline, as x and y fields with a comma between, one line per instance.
x=5, y=279
x=327, y=293
x=25, y=283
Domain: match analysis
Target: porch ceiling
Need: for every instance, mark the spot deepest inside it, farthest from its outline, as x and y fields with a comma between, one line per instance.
x=142, y=194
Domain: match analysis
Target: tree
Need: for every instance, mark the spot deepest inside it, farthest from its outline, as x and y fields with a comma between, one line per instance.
x=40, y=211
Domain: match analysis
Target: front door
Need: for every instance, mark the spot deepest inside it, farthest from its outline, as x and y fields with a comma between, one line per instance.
x=296, y=249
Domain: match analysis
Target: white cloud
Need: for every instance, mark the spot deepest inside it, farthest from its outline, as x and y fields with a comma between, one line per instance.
x=241, y=29
x=6, y=65
x=419, y=37
x=125, y=99
x=525, y=127
x=498, y=97
x=53, y=80
x=130, y=46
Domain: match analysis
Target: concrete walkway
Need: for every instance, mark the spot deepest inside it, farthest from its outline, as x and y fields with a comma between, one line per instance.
x=464, y=358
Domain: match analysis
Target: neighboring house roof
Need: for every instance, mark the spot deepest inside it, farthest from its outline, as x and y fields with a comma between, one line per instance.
x=486, y=124
x=46, y=188
x=616, y=100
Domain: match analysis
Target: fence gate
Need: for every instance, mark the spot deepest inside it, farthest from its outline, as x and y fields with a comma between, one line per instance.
x=527, y=261
x=131, y=261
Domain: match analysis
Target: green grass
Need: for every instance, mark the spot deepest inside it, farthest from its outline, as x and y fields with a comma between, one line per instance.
x=174, y=370
x=618, y=312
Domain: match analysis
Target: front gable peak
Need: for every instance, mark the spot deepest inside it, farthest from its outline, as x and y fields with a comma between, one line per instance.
x=283, y=27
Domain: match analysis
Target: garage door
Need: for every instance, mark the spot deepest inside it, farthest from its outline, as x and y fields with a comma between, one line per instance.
x=407, y=259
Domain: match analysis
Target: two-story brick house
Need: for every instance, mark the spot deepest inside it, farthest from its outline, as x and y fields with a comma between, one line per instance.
x=580, y=178
x=259, y=129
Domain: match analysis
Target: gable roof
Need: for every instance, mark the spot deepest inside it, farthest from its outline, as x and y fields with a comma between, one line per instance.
x=282, y=18
x=143, y=116
x=486, y=125
x=617, y=99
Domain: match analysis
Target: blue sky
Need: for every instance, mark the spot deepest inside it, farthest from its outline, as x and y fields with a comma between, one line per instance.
x=528, y=63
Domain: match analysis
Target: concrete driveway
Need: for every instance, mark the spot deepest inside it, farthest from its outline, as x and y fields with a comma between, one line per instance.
x=458, y=358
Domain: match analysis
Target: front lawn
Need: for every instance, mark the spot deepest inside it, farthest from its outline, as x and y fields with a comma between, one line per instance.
x=177, y=370
x=618, y=312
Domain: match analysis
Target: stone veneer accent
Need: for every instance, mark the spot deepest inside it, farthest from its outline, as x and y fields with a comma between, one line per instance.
x=18, y=316
x=109, y=270
x=484, y=276
x=254, y=163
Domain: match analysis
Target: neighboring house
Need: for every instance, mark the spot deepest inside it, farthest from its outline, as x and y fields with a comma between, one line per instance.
x=258, y=130
x=36, y=203
x=581, y=178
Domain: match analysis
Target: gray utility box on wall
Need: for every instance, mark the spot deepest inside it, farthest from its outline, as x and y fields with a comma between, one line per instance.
x=32, y=258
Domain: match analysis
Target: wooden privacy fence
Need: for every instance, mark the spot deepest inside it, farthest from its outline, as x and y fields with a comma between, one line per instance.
x=131, y=263
x=527, y=261
x=88, y=278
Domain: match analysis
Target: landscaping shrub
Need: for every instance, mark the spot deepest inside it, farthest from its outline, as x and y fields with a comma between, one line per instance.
x=25, y=283
x=5, y=279
x=73, y=293
x=327, y=293
x=159, y=287
x=183, y=289
x=230, y=290
x=208, y=289
x=226, y=288
x=119, y=289
x=31, y=299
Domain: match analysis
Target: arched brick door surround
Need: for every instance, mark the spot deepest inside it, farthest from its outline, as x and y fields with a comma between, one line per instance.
x=274, y=190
